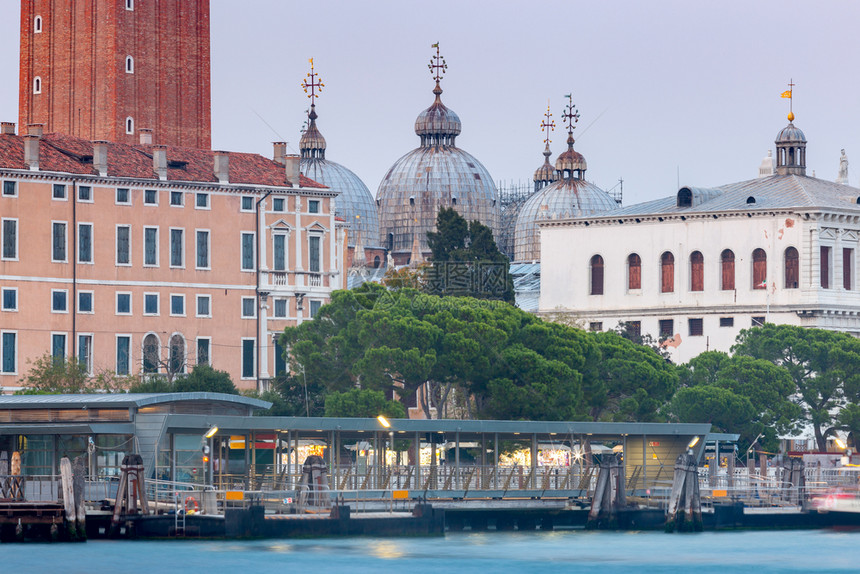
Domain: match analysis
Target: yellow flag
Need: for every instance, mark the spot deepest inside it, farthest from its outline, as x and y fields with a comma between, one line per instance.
x=786, y=94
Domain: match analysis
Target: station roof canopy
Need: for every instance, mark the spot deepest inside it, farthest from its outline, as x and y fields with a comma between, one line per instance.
x=121, y=400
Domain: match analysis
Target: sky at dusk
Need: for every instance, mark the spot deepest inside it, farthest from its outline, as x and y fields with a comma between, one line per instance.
x=668, y=91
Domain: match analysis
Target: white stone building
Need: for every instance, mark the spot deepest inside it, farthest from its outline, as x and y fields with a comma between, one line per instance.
x=697, y=267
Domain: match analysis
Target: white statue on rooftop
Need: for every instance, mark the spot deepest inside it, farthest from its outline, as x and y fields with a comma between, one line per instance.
x=843, y=169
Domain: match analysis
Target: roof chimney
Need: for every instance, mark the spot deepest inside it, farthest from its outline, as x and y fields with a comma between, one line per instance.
x=159, y=161
x=31, y=152
x=36, y=129
x=145, y=136
x=100, y=157
x=222, y=166
x=291, y=162
x=280, y=152
x=7, y=128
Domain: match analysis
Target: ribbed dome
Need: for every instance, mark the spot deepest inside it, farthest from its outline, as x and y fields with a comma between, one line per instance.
x=568, y=197
x=790, y=133
x=312, y=143
x=571, y=160
x=438, y=125
x=545, y=174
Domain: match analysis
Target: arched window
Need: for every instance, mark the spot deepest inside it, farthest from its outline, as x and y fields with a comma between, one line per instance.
x=667, y=273
x=376, y=262
x=177, y=354
x=792, y=268
x=129, y=125
x=150, y=354
x=634, y=271
x=727, y=263
x=697, y=271
x=37, y=25
x=759, y=269
x=37, y=85
x=129, y=65
x=597, y=275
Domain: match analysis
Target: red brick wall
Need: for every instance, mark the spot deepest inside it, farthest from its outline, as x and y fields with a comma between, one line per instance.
x=81, y=56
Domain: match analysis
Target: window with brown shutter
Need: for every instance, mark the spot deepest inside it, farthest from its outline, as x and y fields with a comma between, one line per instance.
x=759, y=269
x=667, y=328
x=847, y=268
x=696, y=327
x=634, y=272
x=792, y=268
x=727, y=262
x=667, y=273
x=597, y=275
x=825, y=267
x=697, y=271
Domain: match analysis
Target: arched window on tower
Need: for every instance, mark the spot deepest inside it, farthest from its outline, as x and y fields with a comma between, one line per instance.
x=759, y=269
x=150, y=354
x=697, y=271
x=177, y=354
x=37, y=25
x=129, y=125
x=667, y=273
x=37, y=85
x=727, y=263
x=597, y=275
x=792, y=268
x=634, y=272
x=129, y=65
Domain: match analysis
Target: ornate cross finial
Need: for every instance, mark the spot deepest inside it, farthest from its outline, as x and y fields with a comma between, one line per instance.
x=437, y=64
x=312, y=82
x=547, y=125
x=571, y=114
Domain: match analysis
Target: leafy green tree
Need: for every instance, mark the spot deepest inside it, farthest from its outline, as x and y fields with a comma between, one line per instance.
x=821, y=364
x=202, y=379
x=633, y=333
x=362, y=403
x=722, y=408
x=702, y=369
x=55, y=375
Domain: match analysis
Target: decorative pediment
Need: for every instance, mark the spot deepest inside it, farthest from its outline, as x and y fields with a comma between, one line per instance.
x=319, y=228
x=850, y=235
x=828, y=233
x=281, y=225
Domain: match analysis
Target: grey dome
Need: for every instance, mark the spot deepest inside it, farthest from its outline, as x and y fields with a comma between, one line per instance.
x=567, y=197
x=790, y=133
x=438, y=124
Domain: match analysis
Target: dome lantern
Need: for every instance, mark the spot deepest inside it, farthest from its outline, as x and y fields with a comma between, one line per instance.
x=545, y=174
x=790, y=143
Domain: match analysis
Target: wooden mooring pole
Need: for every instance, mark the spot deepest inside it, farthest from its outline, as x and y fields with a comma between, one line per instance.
x=610, y=495
x=685, y=505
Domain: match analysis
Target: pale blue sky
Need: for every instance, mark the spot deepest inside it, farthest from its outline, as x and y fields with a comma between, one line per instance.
x=662, y=85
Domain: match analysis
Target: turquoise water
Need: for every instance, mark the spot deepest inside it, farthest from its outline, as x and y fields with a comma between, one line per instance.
x=486, y=553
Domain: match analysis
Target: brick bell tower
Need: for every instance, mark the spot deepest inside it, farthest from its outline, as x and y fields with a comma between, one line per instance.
x=105, y=69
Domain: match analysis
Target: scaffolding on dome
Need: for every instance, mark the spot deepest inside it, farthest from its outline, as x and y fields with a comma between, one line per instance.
x=512, y=196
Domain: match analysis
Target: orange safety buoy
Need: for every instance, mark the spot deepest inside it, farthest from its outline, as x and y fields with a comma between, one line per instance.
x=193, y=501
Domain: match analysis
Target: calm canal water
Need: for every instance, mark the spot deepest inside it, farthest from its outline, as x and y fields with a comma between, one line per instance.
x=486, y=553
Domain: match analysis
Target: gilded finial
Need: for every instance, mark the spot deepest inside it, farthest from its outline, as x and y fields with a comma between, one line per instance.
x=789, y=94
x=313, y=83
x=437, y=64
x=547, y=125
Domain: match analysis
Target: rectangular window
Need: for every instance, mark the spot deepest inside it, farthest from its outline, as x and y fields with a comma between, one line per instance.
x=727, y=321
x=202, y=250
x=177, y=305
x=280, y=361
x=176, y=198
x=123, y=351
x=85, y=243
x=10, y=188
x=123, y=245
x=59, y=301
x=10, y=239
x=248, y=358
x=177, y=251
x=247, y=252
x=313, y=206
x=247, y=203
x=203, y=355
x=667, y=328
x=696, y=327
x=150, y=246
x=85, y=351
x=59, y=191
x=123, y=195
x=58, y=242
x=123, y=303
x=9, y=297
x=280, y=308
x=825, y=267
x=847, y=269
x=757, y=321
x=204, y=306
x=85, y=301
x=247, y=307
x=150, y=303
x=595, y=326
x=58, y=347
x=279, y=254
x=314, y=253
x=634, y=328
x=201, y=200
x=9, y=352
x=278, y=204
x=85, y=193
x=150, y=197
x=315, y=307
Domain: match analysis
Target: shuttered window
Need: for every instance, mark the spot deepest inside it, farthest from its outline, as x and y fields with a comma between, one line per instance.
x=697, y=271
x=792, y=268
x=727, y=263
x=759, y=269
x=634, y=271
x=847, y=269
x=667, y=273
x=597, y=275
x=825, y=267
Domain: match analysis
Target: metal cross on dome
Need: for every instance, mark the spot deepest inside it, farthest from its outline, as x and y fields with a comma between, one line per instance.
x=436, y=68
x=571, y=114
x=315, y=84
x=547, y=125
